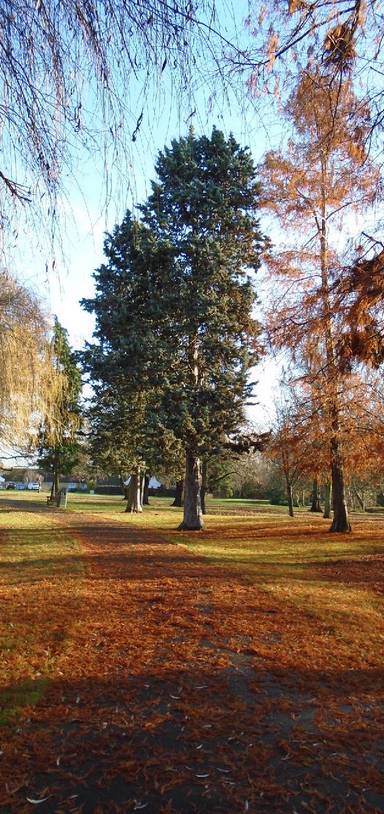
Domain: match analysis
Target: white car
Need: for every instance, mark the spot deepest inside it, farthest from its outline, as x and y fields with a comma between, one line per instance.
x=34, y=486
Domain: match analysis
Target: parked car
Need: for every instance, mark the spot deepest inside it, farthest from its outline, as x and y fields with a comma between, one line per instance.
x=10, y=485
x=34, y=486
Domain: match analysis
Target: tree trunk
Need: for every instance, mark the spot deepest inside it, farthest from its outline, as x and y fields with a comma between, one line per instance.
x=340, y=512
x=124, y=488
x=203, y=490
x=178, y=501
x=290, y=500
x=134, y=498
x=146, y=490
x=327, y=500
x=315, y=504
x=360, y=498
x=55, y=477
x=193, y=518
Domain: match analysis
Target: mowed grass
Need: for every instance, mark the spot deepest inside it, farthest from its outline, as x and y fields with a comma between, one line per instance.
x=337, y=579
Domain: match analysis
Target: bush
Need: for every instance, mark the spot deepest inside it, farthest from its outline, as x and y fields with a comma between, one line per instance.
x=109, y=490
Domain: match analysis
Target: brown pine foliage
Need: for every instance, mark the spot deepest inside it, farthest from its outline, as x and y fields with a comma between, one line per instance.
x=361, y=299
x=323, y=174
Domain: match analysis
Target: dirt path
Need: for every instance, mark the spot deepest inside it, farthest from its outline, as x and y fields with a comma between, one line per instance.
x=170, y=693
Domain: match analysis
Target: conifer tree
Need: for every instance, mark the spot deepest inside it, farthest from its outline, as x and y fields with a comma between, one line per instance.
x=174, y=301
x=128, y=362
x=58, y=442
x=324, y=172
x=204, y=204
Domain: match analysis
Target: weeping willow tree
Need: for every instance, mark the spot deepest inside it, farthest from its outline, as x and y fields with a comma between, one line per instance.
x=85, y=74
x=26, y=381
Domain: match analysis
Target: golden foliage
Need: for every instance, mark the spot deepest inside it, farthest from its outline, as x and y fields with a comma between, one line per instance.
x=25, y=370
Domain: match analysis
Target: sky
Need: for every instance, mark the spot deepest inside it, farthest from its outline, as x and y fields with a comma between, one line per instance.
x=85, y=217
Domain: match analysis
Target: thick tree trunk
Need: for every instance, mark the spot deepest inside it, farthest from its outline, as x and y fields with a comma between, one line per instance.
x=193, y=518
x=146, y=490
x=134, y=497
x=327, y=500
x=340, y=512
x=178, y=501
x=203, y=490
x=315, y=504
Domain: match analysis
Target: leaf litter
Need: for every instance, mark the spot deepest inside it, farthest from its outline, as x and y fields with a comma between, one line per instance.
x=296, y=723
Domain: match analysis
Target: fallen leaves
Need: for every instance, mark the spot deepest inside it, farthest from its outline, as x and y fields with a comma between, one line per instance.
x=142, y=708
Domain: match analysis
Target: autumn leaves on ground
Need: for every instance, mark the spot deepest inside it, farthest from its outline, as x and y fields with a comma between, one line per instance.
x=238, y=669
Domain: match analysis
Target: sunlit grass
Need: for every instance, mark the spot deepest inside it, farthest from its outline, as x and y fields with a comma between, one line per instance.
x=335, y=579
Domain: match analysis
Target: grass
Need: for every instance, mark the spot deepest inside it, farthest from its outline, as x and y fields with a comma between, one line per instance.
x=37, y=556
x=99, y=606
x=13, y=700
x=295, y=559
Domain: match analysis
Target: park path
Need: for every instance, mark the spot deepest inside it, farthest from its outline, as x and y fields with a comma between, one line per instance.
x=168, y=693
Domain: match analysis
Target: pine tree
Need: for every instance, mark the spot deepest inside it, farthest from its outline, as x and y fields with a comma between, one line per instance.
x=204, y=204
x=174, y=301
x=58, y=442
x=128, y=362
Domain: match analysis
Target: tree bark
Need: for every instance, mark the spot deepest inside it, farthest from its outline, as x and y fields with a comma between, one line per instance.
x=360, y=498
x=203, y=490
x=55, y=477
x=327, y=500
x=193, y=518
x=340, y=512
x=134, y=498
x=315, y=504
x=178, y=501
x=290, y=499
x=146, y=490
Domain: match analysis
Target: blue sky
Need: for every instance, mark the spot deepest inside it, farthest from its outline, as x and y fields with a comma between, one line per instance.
x=85, y=214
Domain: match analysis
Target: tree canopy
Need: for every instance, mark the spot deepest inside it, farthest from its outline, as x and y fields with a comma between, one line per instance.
x=25, y=380
x=174, y=302
x=58, y=439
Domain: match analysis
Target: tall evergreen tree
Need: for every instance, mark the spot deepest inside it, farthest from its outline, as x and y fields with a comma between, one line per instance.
x=58, y=443
x=174, y=301
x=127, y=363
x=204, y=204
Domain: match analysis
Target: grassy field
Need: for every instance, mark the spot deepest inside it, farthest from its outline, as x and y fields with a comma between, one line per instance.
x=235, y=669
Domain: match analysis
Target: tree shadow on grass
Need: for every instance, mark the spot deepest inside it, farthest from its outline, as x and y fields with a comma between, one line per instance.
x=179, y=692
x=197, y=740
